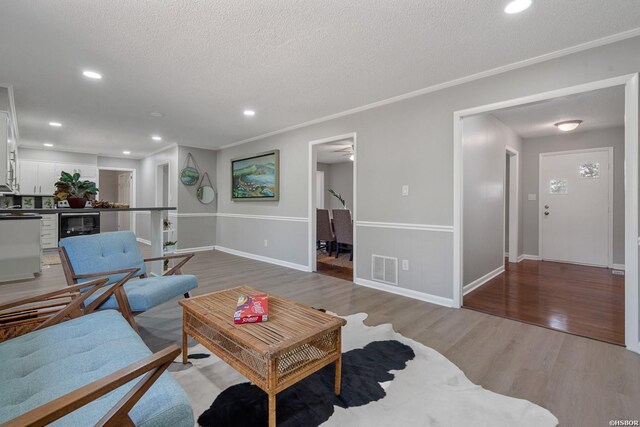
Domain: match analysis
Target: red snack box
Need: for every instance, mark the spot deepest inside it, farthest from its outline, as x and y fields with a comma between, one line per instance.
x=252, y=309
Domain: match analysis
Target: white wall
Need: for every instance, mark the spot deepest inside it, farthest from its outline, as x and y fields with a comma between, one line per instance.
x=484, y=144
x=146, y=186
x=108, y=191
x=532, y=147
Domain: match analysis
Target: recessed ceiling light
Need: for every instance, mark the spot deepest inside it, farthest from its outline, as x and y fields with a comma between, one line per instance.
x=48, y=144
x=126, y=152
x=517, y=6
x=249, y=113
x=92, y=74
x=55, y=124
x=568, y=125
x=156, y=138
x=156, y=114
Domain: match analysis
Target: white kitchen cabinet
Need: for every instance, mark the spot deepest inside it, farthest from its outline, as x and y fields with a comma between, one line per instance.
x=28, y=177
x=49, y=231
x=37, y=177
x=86, y=171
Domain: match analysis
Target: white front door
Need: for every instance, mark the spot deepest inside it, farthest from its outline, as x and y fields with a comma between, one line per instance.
x=575, y=206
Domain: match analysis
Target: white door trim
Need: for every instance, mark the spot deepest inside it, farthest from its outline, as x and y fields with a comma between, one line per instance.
x=514, y=205
x=542, y=186
x=155, y=186
x=132, y=191
x=313, y=168
x=632, y=110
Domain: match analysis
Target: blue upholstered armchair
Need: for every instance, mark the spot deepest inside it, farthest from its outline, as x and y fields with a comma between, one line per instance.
x=114, y=255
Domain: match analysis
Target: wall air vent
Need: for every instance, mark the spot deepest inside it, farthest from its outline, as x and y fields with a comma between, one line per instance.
x=384, y=269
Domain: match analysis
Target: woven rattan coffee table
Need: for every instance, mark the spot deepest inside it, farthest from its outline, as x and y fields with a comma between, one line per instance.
x=295, y=342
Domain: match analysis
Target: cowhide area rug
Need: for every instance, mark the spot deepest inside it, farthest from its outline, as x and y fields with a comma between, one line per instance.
x=387, y=379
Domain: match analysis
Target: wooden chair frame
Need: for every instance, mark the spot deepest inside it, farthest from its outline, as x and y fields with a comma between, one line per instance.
x=151, y=367
x=24, y=315
x=119, y=293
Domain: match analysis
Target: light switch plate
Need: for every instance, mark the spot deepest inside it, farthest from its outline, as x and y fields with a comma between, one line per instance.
x=405, y=190
x=532, y=197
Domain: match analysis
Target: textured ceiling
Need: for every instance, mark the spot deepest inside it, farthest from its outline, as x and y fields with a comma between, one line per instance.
x=335, y=152
x=202, y=62
x=597, y=109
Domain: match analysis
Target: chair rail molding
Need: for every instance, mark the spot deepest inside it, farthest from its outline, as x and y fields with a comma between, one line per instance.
x=405, y=226
x=263, y=217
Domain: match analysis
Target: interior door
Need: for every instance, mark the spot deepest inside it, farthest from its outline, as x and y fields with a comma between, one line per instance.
x=575, y=206
x=124, y=196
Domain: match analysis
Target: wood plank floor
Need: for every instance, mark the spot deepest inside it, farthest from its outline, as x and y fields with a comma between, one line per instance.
x=586, y=301
x=582, y=381
x=343, y=273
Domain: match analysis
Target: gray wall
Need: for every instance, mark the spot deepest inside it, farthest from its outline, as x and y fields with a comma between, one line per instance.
x=56, y=156
x=339, y=177
x=407, y=142
x=146, y=186
x=196, y=224
x=341, y=180
x=485, y=139
x=108, y=191
x=613, y=137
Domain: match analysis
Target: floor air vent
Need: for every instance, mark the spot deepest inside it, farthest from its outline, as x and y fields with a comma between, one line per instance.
x=384, y=269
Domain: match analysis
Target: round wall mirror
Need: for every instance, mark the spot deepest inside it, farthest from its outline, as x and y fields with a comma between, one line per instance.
x=206, y=194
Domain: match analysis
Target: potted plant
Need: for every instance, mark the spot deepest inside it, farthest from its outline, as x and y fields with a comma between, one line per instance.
x=169, y=245
x=72, y=189
x=339, y=197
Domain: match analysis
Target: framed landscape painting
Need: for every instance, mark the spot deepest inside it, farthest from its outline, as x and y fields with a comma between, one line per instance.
x=256, y=177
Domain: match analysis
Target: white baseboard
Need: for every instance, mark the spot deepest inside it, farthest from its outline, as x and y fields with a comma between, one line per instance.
x=531, y=257
x=196, y=249
x=481, y=281
x=520, y=258
x=263, y=258
x=618, y=267
x=434, y=299
x=143, y=241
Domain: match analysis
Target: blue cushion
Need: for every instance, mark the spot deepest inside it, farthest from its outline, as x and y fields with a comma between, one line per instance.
x=144, y=294
x=95, y=253
x=54, y=361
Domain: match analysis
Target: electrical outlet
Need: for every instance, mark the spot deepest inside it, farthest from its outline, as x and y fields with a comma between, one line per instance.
x=405, y=264
x=266, y=243
x=405, y=190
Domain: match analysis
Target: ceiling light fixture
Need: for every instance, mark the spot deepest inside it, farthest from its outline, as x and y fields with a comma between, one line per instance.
x=156, y=138
x=249, y=113
x=126, y=152
x=55, y=124
x=92, y=74
x=517, y=6
x=48, y=144
x=568, y=126
x=156, y=114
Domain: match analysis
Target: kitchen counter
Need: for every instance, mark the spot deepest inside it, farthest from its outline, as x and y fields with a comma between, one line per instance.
x=13, y=216
x=45, y=211
x=32, y=239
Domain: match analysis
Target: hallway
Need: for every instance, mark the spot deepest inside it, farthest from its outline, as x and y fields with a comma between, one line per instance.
x=580, y=300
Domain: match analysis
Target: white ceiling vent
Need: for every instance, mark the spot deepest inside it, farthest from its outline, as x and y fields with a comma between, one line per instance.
x=384, y=269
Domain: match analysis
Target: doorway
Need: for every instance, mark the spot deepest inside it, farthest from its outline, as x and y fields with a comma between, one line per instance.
x=117, y=185
x=576, y=266
x=332, y=206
